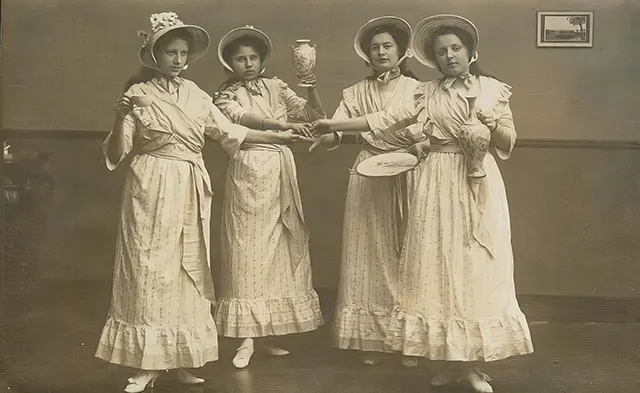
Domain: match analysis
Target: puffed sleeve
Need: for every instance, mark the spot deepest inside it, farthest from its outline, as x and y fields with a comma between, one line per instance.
x=219, y=128
x=505, y=134
x=130, y=128
x=227, y=102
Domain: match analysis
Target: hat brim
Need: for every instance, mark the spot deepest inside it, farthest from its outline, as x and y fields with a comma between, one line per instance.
x=400, y=23
x=239, y=32
x=423, y=33
x=200, y=42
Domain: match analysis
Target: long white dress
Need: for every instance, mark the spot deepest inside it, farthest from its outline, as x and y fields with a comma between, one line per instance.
x=375, y=212
x=160, y=316
x=266, y=279
x=457, y=299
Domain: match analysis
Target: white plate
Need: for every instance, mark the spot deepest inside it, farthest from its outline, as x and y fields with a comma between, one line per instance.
x=388, y=164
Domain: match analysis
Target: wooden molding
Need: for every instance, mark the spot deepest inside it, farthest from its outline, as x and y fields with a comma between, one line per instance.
x=532, y=143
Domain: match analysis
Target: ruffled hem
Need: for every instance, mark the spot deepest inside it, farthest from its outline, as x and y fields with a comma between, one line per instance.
x=153, y=348
x=243, y=318
x=459, y=340
x=361, y=329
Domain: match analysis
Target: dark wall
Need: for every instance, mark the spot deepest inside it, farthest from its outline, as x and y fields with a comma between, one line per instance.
x=65, y=61
x=575, y=213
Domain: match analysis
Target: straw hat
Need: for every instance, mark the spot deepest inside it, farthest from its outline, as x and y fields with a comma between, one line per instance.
x=239, y=32
x=425, y=29
x=400, y=23
x=163, y=23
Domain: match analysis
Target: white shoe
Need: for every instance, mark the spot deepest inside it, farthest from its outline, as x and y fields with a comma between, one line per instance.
x=139, y=382
x=243, y=356
x=479, y=382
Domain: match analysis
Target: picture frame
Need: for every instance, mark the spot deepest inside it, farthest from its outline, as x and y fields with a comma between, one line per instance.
x=565, y=29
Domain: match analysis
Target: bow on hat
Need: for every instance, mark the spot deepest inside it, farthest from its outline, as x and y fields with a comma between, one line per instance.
x=161, y=24
x=400, y=23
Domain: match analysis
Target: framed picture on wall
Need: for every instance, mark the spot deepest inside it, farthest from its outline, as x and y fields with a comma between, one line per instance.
x=565, y=29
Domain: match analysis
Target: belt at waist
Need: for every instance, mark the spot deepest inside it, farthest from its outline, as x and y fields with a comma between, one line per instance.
x=375, y=150
x=263, y=147
x=438, y=147
x=198, y=170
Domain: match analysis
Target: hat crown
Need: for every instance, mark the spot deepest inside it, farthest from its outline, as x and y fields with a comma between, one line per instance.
x=160, y=21
x=163, y=23
x=163, y=20
x=238, y=32
x=425, y=29
x=376, y=23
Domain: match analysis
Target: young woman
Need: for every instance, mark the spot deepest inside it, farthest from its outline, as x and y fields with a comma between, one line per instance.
x=160, y=316
x=457, y=301
x=376, y=208
x=266, y=282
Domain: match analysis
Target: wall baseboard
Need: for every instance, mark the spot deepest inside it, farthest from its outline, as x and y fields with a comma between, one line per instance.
x=547, y=143
x=537, y=308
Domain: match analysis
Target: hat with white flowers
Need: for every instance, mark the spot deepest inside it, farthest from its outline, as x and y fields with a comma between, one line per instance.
x=161, y=24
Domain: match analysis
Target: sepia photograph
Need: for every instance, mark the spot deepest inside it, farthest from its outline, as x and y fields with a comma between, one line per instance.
x=319, y=196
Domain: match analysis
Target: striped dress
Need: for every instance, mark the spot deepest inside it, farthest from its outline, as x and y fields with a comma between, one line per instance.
x=373, y=219
x=160, y=315
x=457, y=298
x=266, y=281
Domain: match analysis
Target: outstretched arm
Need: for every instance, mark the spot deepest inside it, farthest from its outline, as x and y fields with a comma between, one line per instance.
x=397, y=117
x=232, y=136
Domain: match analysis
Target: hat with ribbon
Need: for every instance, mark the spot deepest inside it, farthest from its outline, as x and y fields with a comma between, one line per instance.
x=424, y=31
x=377, y=23
x=241, y=32
x=163, y=23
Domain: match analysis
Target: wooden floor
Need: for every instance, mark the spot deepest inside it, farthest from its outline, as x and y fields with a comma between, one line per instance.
x=50, y=336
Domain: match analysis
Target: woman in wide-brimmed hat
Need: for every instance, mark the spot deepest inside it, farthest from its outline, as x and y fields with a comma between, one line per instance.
x=160, y=315
x=456, y=300
x=375, y=208
x=266, y=283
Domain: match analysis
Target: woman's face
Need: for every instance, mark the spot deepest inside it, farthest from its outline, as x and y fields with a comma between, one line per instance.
x=453, y=57
x=172, y=57
x=246, y=62
x=383, y=52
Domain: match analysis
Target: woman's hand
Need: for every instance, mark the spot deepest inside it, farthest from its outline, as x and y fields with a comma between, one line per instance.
x=322, y=126
x=325, y=139
x=310, y=80
x=420, y=149
x=303, y=129
x=123, y=107
x=488, y=119
x=288, y=136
